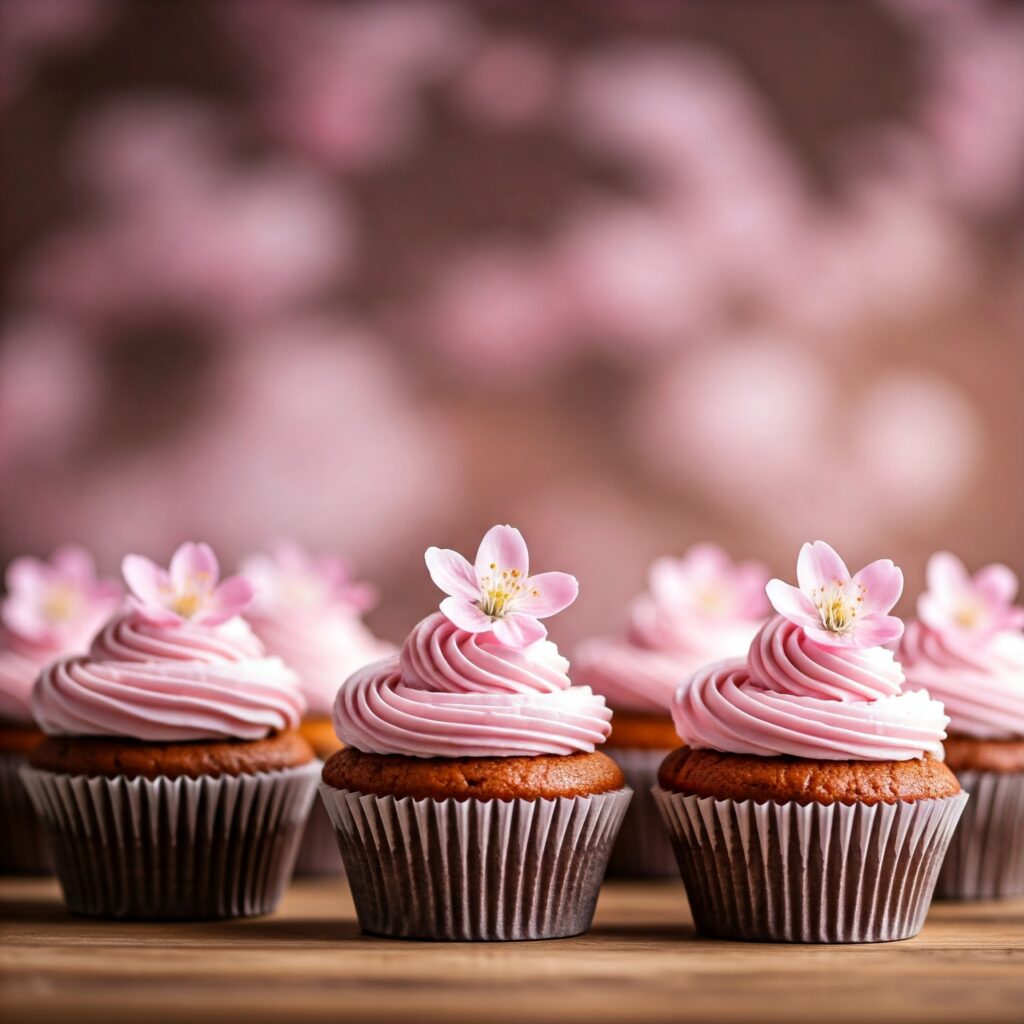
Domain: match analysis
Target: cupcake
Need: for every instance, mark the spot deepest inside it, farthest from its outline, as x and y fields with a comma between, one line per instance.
x=698, y=609
x=172, y=780
x=308, y=611
x=470, y=801
x=810, y=802
x=51, y=610
x=966, y=648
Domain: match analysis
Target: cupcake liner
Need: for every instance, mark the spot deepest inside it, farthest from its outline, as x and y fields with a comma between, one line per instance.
x=154, y=849
x=809, y=872
x=475, y=869
x=318, y=851
x=23, y=846
x=986, y=857
x=643, y=849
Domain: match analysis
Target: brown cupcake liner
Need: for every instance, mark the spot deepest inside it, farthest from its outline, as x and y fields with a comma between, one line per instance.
x=809, y=872
x=23, y=846
x=643, y=849
x=318, y=852
x=474, y=870
x=155, y=849
x=985, y=860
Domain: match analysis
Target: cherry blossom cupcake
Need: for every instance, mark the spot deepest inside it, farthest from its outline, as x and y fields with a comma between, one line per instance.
x=698, y=609
x=172, y=779
x=308, y=611
x=967, y=649
x=470, y=801
x=51, y=610
x=810, y=802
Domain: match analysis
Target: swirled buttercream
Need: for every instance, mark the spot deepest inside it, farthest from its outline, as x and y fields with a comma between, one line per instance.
x=795, y=697
x=169, y=683
x=980, y=680
x=453, y=693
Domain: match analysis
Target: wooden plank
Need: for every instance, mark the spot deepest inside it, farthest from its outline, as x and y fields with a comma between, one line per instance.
x=642, y=961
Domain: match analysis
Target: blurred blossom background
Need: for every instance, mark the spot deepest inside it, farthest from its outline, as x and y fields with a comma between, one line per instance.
x=377, y=275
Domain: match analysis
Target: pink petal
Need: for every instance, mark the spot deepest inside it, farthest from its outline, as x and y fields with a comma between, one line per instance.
x=158, y=614
x=75, y=563
x=996, y=583
x=194, y=560
x=452, y=573
x=932, y=612
x=361, y=597
x=145, y=579
x=819, y=565
x=230, y=598
x=503, y=547
x=793, y=604
x=518, y=630
x=877, y=630
x=555, y=591
x=665, y=580
x=947, y=578
x=707, y=561
x=23, y=619
x=28, y=577
x=883, y=583
x=466, y=615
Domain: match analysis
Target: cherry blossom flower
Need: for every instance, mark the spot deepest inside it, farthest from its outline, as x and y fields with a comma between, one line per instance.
x=290, y=576
x=60, y=603
x=188, y=591
x=836, y=609
x=497, y=593
x=979, y=605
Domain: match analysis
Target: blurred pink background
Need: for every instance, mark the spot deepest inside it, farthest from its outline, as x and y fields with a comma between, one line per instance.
x=628, y=276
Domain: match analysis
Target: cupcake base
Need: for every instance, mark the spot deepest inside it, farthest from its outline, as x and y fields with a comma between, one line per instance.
x=318, y=851
x=184, y=848
x=816, y=873
x=643, y=849
x=23, y=846
x=475, y=870
x=985, y=860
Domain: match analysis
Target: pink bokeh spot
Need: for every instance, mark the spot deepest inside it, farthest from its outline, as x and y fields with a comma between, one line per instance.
x=496, y=594
x=978, y=605
x=836, y=609
x=189, y=590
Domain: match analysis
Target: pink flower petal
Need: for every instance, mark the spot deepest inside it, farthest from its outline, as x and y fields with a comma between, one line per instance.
x=819, y=565
x=933, y=612
x=158, y=614
x=996, y=583
x=504, y=548
x=230, y=598
x=75, y=563
x=877, y=630
x=518, y=630
x=194, y=560
x=883, y=584
x=793, y=604
x=947, y=577
x=707, y=561
x=555, y=591
x=466, y=615
x=145, y=579
x=452, y=573
x=23, y=619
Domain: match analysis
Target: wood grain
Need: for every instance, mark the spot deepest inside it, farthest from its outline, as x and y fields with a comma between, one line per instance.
x=642, y=961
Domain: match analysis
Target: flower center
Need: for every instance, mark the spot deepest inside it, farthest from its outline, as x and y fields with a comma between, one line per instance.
x=62, y=603
x=837, y=606
x=969, y=613
x=713, y=600
x=192, y=596
x=500, y=589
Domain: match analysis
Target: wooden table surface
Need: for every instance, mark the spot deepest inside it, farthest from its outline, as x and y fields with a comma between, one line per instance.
x=642, y=961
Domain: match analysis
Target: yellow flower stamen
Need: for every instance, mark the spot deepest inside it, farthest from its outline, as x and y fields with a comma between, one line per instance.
x=838, y=606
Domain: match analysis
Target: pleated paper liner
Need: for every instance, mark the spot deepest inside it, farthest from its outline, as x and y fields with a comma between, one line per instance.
x=23, y=845
x=809, y=872
x=643, y=849
x=318, y=851
x=986, y=857
x=154, y=849
x=475, y=869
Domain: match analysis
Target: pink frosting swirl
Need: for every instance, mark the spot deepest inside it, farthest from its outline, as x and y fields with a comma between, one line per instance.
x=323, y=646
x=795, y=697
x=452, y=693
x=20, y=663
x=165, y=684
x=980, y=681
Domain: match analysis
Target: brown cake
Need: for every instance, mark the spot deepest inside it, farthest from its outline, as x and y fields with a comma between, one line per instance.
x=18, y=739
x=964, y=753
x=546, y=777
x=112, y=758
x=784, y=779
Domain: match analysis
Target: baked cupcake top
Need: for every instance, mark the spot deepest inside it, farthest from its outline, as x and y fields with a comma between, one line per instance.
x=697, y=609
x=50, y=610
x=175, y=664
x=817, y=682
x=308, y=610
x=478, y=678
x=967, y=649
